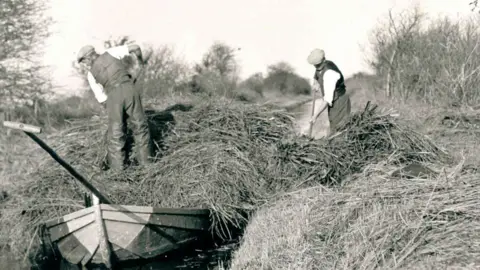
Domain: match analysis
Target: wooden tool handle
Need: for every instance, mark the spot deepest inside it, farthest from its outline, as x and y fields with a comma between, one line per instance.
x=21, y=126
x=314, y=90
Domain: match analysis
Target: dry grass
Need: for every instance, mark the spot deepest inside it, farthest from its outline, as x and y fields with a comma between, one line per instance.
x=458, y=134
x=14, y=158
x=434, y=60
x=373, y=222
x=275, y=236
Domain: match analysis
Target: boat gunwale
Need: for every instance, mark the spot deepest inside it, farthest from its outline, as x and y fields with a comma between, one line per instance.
x=58, y=239
x=159, y=225
x=155, y=210
x=68, y=217
x=128, y=209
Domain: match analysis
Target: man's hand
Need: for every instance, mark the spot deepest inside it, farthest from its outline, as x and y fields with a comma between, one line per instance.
x=140, y=70
x=141, y=62
x=316, y=86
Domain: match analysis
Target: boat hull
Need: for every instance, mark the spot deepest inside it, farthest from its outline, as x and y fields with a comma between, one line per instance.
x=132, y=232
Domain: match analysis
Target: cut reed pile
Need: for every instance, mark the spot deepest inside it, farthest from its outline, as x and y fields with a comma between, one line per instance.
x=373, y=222
x=224, y=156
x=367, y=138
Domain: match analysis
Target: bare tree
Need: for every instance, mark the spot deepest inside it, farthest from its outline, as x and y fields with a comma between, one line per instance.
x=220, y=59
x=392, y=40
x=163, y=71
x=23, y=29
x=217, y=73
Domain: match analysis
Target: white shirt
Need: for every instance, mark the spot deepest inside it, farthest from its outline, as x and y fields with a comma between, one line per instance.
x=330, y=78
x=118, y=52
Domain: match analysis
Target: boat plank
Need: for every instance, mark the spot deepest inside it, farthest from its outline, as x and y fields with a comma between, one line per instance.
x=153, y=241
x=76, y=255
x=68, y=217
x=63, y=229
x=165, y=247
x=181, y=222
x=124, y=254
x=67, y=244
x=97, y=258
x=156, y=236
x=155, y=210
x=89, y=256
x=80, y=244
x=147, y=241
x=121, y=233
x=174, y=221
x=88, y=237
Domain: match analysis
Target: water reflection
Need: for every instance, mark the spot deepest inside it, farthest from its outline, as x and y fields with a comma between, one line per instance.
x=203, y=259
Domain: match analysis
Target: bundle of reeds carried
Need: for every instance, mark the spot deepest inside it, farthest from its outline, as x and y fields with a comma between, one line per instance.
x=224, y=156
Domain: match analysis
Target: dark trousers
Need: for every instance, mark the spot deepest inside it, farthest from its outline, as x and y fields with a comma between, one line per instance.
x=339, y=112
x=125, y=111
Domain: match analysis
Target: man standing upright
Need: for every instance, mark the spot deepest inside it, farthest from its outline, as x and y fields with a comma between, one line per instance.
x=331, y=84
x=113, y=87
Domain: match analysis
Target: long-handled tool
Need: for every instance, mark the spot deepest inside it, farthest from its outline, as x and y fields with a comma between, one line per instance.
x=30, y=130
x=314, y=90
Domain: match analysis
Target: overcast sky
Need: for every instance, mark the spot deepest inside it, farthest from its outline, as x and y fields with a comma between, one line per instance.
x=267, y=31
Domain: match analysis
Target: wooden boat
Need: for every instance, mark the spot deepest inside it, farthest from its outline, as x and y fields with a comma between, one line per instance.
x=116, y=233
x=106, y=234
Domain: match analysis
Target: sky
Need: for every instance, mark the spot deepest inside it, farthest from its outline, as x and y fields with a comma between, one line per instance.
x=267, y=31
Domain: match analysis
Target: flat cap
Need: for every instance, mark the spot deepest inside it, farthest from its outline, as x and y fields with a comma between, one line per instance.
x=84, y=51
x=316, y=57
